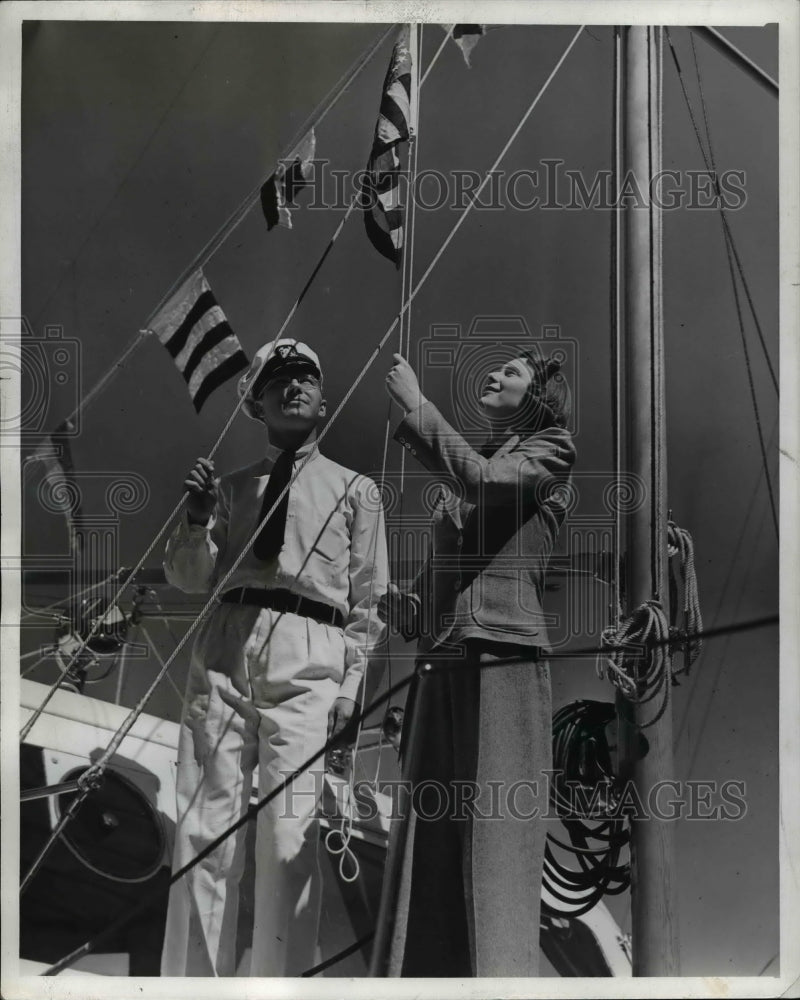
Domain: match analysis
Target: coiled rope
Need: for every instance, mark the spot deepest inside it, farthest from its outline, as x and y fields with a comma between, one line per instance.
x=636, y=657
x=582, y=762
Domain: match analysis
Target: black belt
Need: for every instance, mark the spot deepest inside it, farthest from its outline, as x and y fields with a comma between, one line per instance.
x=285, y=600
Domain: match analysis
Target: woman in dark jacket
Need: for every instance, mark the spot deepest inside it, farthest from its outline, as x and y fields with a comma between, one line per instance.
x=470, y=883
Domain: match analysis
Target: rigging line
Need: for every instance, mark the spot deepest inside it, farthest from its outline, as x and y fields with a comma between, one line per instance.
x=504, y=150
x=36, y=663
x=330, y=422
x=658, y=241
x=384, y=462
x=407, y=252
x=769, y=963
x=414, y=51
x=656, y=545
x=413, y=206
x=339, y=956
x=753, y=396
x=154, y=649
x=404, y=289
x=715, y=632
x=71, y=597
x=727, y=232
x=239, y=213
x=157, y=895
x=65, y=817
x=729, y=246
x=411, y=246
x=718, y=41
x=408, y=249
x=728, y=237
x=722, y=211
x=121, y=667
x=253, y=810
x=128, y=172
x=371, y=587
x=37, y=652
x=740, y=534
x=317, y=267
x=707, y=711
x=612, y=277
x=616, y=321
x=436, y=55
x=713, y=686
x=164, y=619
x=90, y=396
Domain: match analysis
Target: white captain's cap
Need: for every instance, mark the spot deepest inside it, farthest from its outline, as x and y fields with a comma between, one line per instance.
x=268, y=360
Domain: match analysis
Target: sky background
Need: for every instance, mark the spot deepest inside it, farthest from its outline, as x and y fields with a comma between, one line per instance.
x=138, y=141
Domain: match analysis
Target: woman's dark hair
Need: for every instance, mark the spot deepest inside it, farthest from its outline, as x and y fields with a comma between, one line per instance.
x=549, y=401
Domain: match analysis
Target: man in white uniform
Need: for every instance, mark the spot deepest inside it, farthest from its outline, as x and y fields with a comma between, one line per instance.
x=276, y=669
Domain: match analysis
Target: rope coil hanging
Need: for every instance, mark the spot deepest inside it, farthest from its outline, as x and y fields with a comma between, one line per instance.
x=636, y=657
x=597, y=833
x=679, y=540
x=337, y=840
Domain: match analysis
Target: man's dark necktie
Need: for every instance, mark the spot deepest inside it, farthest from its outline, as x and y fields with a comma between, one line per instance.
x=270, y=539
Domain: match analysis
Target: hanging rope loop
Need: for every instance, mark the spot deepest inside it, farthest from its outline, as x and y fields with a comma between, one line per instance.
x=680, y=541
x=337, y=842
x=636, y=657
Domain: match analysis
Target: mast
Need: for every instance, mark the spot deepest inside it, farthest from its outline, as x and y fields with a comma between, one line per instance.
x=653, y=881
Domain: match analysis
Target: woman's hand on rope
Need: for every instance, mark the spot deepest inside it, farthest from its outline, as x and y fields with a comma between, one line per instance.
x=403, y=386
x=400, y=611
x=201, y=485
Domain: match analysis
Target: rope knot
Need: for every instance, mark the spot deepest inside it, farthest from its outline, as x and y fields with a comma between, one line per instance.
x=636, y=656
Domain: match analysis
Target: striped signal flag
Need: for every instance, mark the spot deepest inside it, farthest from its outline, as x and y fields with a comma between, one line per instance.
x=196, y=333
x=278, y=192
x=380, y=192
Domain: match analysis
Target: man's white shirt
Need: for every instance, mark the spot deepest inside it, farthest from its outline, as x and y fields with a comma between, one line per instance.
x=334, y=548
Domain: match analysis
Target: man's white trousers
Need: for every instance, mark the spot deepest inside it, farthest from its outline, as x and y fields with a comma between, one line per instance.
x=259, y=691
